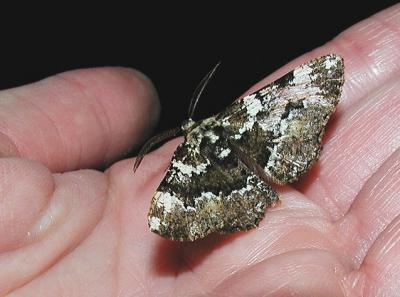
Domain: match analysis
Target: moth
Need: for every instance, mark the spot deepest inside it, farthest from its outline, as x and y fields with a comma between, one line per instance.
x=221, y=178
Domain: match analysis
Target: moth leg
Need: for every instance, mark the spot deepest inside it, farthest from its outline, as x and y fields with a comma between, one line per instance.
x=149, y=144
x=253, y=166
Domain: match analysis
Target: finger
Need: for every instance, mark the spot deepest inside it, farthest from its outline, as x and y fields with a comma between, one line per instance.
x=25, y=190
x=43, y=217
x=375, y=207
x=77, y=119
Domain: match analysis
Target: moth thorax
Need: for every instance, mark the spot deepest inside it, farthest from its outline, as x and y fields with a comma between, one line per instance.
x=187, y=125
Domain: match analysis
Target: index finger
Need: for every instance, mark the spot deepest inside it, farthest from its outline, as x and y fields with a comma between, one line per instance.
x=77, y=119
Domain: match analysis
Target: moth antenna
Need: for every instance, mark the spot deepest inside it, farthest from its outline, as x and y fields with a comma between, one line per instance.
x=199, y=90
x=149, y=144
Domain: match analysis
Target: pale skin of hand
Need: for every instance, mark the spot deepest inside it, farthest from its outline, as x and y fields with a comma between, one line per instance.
x=70, y=232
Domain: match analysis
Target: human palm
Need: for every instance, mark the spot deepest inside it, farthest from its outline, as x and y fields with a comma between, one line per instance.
x=84, y=232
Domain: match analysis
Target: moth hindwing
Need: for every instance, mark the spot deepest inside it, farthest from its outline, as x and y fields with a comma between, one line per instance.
x=220, y=177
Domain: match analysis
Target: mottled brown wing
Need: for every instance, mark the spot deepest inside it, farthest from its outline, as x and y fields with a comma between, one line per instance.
x=281, y=125
x=206, y=190
x=218, y=178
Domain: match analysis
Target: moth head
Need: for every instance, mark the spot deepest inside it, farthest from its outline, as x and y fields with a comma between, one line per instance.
x=188, y=125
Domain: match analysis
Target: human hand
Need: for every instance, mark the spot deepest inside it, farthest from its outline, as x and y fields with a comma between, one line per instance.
x=85, y=233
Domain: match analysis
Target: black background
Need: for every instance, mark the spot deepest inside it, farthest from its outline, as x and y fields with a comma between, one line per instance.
x=173, y=44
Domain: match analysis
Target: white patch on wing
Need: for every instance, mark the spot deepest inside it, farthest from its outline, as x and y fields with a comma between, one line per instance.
x=331, y=62
x=284, y=125
x=301, y=75
x=252, y=104
x=242, y=191
x=167, y=201
x=208, y=195
x=225, y=122
x=247, y=125
x=224, y=153
x=188, y=170
x=272, y=159
x=253, y=107
x=211, y=135
x=154, y=223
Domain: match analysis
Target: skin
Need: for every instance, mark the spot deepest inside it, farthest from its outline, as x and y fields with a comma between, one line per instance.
x=70, y=232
